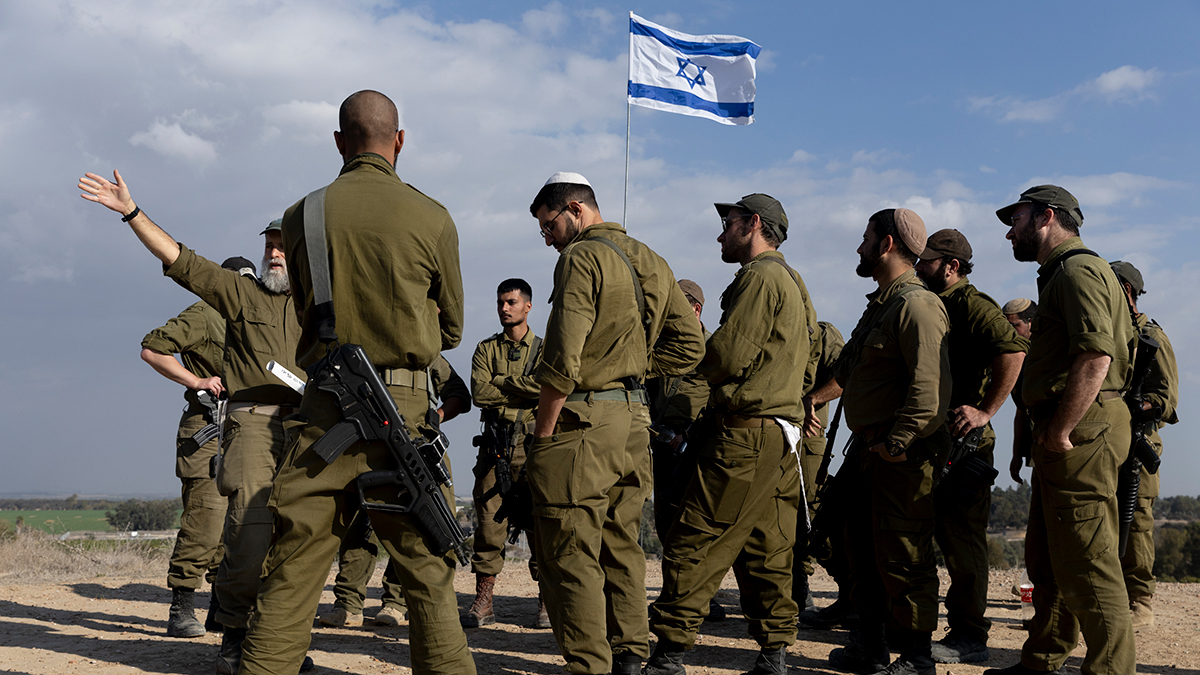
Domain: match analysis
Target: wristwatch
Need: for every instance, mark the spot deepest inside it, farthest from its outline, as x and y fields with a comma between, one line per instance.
x=895, y=448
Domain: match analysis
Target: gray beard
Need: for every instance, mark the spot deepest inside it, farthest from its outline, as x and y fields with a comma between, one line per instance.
x=275, y=281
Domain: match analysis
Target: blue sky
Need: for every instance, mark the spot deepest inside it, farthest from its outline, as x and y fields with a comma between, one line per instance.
x=220, y=116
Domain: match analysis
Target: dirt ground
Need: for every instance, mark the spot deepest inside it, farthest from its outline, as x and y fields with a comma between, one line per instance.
x=118, y=625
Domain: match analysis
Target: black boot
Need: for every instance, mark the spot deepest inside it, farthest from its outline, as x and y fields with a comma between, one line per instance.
x=801, y=592
x=667, y=659
x=770, y=661
x=210, y=622
x=841, y=614
x=230, y=656
x=626, y=664
x=915, y=653
x=865, y=653
x=182, y=618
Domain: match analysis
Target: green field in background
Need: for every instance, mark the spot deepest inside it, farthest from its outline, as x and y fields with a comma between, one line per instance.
x=57, y=522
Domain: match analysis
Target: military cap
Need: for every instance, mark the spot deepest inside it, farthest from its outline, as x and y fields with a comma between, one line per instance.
x=275, y=226
x=767, y=208
x=1050, y=195
x=947, y=244
x=692, y=290
x=911, y=229
x=1016, y=306
x=238, y=263
x=1129, y=274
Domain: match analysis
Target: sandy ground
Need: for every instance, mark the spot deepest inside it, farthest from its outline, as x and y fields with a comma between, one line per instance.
x=115, y=625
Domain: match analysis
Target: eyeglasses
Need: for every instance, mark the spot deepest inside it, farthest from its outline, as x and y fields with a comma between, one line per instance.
x=730, y=219
x=1012, y=220
x=545, y=227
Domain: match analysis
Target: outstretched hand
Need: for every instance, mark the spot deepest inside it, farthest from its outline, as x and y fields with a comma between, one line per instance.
x=97, y=188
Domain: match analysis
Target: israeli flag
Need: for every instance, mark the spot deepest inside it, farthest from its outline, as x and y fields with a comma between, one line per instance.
x=708, y=76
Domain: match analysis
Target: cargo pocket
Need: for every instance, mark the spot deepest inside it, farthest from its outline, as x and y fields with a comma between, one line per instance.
x=551, y=467
x=726, y=472
x=1081, y=531
x=901, y=538
x=1088, y=431
x=226, y=484
x=556, y=532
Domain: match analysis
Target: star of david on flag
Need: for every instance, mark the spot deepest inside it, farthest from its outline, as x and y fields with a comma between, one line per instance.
x=708, y=76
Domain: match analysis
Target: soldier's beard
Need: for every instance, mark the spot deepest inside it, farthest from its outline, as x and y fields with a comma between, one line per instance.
x=1025, y=245
x=275, y=279
x=867, y=262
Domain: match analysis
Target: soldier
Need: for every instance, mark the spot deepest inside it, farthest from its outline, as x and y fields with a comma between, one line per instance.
x=1020, y=312
x=261, y=326
x=360, y=548
x=1079, y=361
x=617, y=316
x=675, y=403
x=896, y=374
x=742, y=498
x=402, y=319
x=985, y=359
x=503, y=388
x=1161, y=390
x=198, y=336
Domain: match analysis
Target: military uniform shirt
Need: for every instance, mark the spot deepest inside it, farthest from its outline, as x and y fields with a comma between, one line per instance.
x=757, y=358
x=397, y=251
x=1161, y=387
x=826, y=350
x=1081, y=309
x=676, y=401
x=898, y=384
x=446, y=383
x=198, y=336
x=978, y=334
x=595, y=336
x=260, y=326
x=499, y=382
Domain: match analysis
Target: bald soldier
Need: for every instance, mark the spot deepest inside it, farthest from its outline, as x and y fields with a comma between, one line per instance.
x=985, y=359
x=261, y=326
x=1161, y=390
x=617, y=316
x=895, y=371
x=742, y=498
x=402, y=319
x=1080, y=359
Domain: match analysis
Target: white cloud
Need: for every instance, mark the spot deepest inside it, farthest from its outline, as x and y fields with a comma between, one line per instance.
x=306, y=121
x=1106, y=190
x=1125, y=84
x=802, y=156
x=984, y=168
x=172, y=141
x=547, y=21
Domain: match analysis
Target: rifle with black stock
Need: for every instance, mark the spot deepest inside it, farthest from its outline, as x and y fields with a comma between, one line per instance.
x=834, y=494
x=964, y=472
x=1141, y=452
x=215, y=411
x=496, y=440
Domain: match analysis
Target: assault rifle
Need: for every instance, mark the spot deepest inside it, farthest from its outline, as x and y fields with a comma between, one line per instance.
x=497, y=442
x=215, y=407
x=964, y=473
x=370, y=414
x=834, y=497
x=1141, y=452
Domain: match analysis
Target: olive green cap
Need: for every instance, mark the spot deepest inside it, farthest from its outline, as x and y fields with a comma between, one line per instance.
x=692, y=290
x=1050, y=195
x=1129, y=274
x=767, y=208
x=946, y=243
x=275, y=226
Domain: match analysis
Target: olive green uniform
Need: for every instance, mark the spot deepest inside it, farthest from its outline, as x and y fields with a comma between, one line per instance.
x=675, y=403
x=826, y=348
x=590, y=479
x=499, y=382
x=360, y=547
x=393, y=261
x=895, y=373
x=743, y=497
x=978, y=334
x=1071, y=542
x=198, y=336
x=1162, y=391
x=260, y=327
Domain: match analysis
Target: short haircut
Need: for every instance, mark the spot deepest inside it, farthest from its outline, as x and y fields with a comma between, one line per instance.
x=1028, y=313
x=964, y=266
x=369, y=117
x=510, y=285
x=885, y=226
x=556, y=196
x=1063, y=217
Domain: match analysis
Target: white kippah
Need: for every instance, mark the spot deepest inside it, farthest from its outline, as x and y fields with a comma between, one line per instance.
x=568, y=177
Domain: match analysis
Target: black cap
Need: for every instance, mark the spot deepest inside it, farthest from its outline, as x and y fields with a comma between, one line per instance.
x=238, y=263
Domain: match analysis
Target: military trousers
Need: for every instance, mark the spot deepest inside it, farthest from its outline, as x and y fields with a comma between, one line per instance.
x=253, y=444
x=889, y=538
x=589, y=482
x=1137, y=564
x=356, y=564
x=1071, y=548
x=491, y=537
x=314, y=505
x=960, y=530
x=671, y=472
x=198, y=550
x=811, y=454
x=739, y=511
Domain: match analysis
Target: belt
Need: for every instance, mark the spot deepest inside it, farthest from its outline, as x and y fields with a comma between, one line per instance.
x=403, y=377
x=744, y=421
x=1046, y=409
x=261, y=409
x=628, y=395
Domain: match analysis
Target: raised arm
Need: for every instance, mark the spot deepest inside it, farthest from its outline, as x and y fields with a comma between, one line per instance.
x=116, y=197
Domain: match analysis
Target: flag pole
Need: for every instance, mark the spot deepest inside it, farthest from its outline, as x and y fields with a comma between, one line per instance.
x=628, y=114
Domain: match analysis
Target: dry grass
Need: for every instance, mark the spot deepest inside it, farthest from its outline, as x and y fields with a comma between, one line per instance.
x=31, y=556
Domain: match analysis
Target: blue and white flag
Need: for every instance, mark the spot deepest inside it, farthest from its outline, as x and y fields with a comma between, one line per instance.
x=702, y=75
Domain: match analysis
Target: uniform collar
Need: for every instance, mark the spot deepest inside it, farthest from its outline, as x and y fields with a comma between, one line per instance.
x=368, y=160
x=764, y=254
x=526, y=340
x=960, y=285
x=1072, y=243
x=883, y=294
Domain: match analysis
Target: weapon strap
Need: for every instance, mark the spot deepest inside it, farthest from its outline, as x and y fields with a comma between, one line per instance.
x=637, y=284
x=795, y=277
x=853, y=348
x=535, y=350
x=318, y=264
x=1045, y=276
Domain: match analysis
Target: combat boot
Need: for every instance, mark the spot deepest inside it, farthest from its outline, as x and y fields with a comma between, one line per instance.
x=715, y=612
x=229, y=658
x=838, y=615
x=770, y=661
x=801, y=592
x=210, y=622
x=182, y=621
x=390, y=616
x=626, y=664
x=1020, y=669
x=955, y=648
x=861, y=655
x=903, y=666
x=543, y=617
x=340, y=617
x=481, y=612
x=667, y=659
x=1140, y=611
